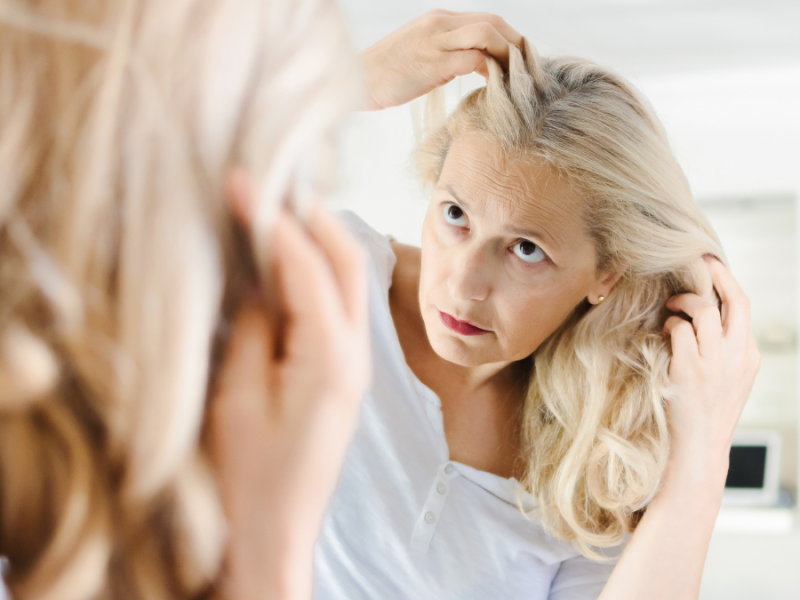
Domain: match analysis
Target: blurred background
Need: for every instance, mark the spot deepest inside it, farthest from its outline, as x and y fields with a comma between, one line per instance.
x=724, y=77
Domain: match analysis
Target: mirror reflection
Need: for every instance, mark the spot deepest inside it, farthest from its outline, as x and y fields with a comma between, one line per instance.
x=316, y=300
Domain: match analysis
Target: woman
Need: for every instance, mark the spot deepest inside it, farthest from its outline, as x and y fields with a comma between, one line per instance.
x=180, y=360
x=138, y=142
x=552, y=368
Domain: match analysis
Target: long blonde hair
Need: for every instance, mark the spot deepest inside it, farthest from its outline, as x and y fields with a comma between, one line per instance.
x=596, y=436
x=118, y=122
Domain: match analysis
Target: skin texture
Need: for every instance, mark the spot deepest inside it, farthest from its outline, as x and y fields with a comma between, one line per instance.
x=468, y=268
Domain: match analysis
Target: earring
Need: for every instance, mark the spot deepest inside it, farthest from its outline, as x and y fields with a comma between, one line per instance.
x=600, y=299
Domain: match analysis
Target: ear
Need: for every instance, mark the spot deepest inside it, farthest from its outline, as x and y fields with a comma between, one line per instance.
x=604, y=286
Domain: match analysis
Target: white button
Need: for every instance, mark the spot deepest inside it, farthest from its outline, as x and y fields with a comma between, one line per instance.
x=441, y=488
x=449, y=469
x=430, y=517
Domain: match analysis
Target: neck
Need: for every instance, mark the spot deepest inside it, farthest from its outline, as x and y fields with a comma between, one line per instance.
x=499, y=376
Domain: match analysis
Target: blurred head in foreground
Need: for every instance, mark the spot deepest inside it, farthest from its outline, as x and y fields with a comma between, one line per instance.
x=559, y=225
x=119, y=122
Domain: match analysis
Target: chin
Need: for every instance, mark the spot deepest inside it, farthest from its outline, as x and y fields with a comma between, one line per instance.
x=457, y=351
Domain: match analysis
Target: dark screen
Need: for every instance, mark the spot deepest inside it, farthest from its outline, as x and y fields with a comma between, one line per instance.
x=747, y=467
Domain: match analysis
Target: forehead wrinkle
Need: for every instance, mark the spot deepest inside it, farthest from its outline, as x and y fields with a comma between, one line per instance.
x=563, y=207
x=523, y=183
x=532, y=215
x=538, y=210
x=507, y=183
x=518, y=199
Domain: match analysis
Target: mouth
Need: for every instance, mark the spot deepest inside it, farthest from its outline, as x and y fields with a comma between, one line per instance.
x=462, y=327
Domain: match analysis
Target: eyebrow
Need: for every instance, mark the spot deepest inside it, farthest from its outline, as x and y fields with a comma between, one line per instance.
x=526, y=233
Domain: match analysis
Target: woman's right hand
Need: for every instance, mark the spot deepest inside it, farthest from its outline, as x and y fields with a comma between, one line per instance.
x=280, y=424
x=431, y=51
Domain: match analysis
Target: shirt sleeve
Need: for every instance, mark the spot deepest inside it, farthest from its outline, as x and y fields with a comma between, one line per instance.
x=377, y=245
x=580, y=578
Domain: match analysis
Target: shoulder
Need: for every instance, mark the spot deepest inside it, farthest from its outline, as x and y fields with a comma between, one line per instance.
x=377, y=246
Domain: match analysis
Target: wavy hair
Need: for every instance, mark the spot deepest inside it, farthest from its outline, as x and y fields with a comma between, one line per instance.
x=119, y=120
x=596, y=435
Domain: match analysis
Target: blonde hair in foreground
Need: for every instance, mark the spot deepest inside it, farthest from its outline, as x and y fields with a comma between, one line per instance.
x=595, y=428
x=118, y=122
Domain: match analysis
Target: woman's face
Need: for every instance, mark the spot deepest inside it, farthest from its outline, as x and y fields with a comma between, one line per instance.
x=504, y=247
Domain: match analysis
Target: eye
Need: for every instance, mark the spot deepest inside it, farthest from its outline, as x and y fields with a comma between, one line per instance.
x=454, y=215
x=528, y=251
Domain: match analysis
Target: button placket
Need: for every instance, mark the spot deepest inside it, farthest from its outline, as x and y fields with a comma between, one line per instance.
x=432, y=509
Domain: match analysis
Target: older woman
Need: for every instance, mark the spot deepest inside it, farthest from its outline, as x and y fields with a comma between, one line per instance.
x=552, y=368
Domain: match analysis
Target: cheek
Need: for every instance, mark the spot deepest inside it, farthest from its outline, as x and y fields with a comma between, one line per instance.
x=433, y=267
x=431, y=272
x=529, y=319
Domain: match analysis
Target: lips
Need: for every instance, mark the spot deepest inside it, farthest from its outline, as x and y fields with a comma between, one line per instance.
x=462, y=327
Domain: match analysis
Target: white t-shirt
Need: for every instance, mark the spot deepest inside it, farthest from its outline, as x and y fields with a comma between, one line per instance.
x=405, y=522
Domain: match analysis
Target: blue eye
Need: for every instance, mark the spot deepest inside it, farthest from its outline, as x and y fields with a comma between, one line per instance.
x=528, y=251
x=454, y=215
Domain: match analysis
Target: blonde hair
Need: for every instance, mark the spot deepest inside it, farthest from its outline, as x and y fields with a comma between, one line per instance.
x=119, y=120
x=595, y=430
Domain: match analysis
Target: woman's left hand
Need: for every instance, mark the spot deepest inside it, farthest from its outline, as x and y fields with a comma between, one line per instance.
x=430, y=51
x=715, y=359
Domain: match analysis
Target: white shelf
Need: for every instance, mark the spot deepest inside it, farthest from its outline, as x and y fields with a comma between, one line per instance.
x=757, y=521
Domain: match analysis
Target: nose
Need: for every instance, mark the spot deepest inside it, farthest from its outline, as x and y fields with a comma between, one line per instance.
x=470, y=278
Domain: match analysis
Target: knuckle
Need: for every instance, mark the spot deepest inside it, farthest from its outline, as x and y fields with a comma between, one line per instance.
x=431, y=21
x=485, y=30
x=676, y=324
x=707, y=312
x=468, y=60
x=493, y=19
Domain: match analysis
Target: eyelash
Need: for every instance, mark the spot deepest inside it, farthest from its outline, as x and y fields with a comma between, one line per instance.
x=445, y=207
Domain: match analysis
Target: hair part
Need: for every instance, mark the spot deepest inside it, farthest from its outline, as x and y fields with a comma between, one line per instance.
x=594, y=423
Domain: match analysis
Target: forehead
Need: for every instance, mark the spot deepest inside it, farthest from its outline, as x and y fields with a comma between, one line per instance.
x=521, y=191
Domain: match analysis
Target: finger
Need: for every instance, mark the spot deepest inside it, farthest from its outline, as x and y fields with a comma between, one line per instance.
x=483, y=69
x=346, y=258
x=306, y=284
x=478, y=36
x=499, y=23
x=682, y=338
x=464, y=63
x=239, y=195
x=735, y=304
x=245, y=374
x=706, y=321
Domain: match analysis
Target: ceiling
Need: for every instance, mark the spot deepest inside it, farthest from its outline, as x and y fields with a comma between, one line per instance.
x=639, y=38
